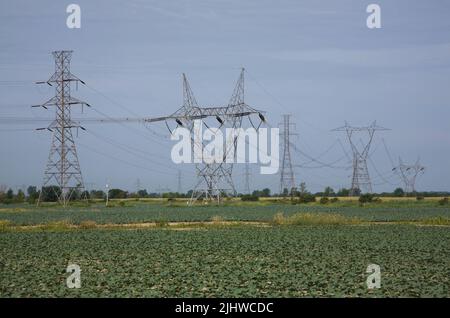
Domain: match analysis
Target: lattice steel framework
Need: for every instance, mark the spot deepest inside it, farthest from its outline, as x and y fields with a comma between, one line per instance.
x=287, y=178
x=409, y=173
x=63, y=167
x=214, y=179
x=247, y=175
x=360, y=177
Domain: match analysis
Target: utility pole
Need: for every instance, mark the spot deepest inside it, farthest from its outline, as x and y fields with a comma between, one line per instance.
x=179, y=187
x=63, y=167
x=360, y=177
x=107, y=193
x=408, y=174
x=287, y=179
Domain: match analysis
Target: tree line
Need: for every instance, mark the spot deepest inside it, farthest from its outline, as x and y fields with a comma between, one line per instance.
x=51, y=193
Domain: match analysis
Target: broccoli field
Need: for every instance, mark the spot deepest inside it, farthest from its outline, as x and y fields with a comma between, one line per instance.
x=220, y=259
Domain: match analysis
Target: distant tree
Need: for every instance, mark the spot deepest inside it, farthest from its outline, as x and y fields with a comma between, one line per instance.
x=97, y=194
x=85, y=195
x=399, y=192
x=50, y=193
x=32, y=194
x=7, y=197
x=328, y=192
x=343, y=192
x=265, y=192
x=31, y=191
x=302, y=189
x=20, y=197
x=117, y=194
x=304, y=196
x=294, y=192
x=9, y=194
x=142, y=193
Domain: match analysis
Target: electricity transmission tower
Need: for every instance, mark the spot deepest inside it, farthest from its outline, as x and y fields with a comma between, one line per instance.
x=247, y=175
x=287, y=180
x=360, y=177
x=408, y=174
x=63, y=167
x=138, y=185
x=215, y=179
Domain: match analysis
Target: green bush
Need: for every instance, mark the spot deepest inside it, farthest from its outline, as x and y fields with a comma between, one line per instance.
x=249, y=197
x=324, y=200
x=443, y=201
x=306, y=198
x=365, y=198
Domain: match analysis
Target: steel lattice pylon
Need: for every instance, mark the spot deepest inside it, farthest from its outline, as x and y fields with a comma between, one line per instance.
x=214, y=179
x=63, y=168
x=247, y=175
x=408, y=174
x=360, y=177
x=287, y=179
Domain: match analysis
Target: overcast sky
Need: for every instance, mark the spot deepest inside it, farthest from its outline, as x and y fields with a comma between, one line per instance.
x=316, y=60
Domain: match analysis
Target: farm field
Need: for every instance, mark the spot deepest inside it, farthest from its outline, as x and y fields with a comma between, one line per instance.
x=213, y=257
x=285, y=261
x=137, y=212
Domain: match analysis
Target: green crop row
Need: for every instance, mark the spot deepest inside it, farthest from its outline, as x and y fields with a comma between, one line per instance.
x=285, y=261
x=136, y=212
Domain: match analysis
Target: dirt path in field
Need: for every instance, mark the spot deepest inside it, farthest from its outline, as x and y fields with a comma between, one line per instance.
x=180, y=226
x=184, y=226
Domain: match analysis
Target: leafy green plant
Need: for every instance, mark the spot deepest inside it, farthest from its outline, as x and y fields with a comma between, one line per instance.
x=281, y=261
